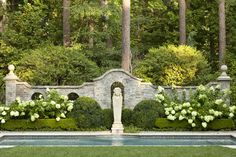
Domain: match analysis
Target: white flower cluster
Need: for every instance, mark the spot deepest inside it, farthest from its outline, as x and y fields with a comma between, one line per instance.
x=198, y=109
x=53, y=106
x=4, y=111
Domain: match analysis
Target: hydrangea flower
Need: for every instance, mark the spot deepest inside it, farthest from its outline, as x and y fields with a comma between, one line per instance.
x=58, y=106
x=219, y=101
x=160, y=98
x=183, y=112
x=32, y=118
x=160, y=89
x=194, y=113
x=201, y=88
x=4, y=113
x=173, y=112
x=58, y=119
x=181, y=117
x=204, y=124
x=3, y=121
x=171, y=117
x=190, y=121
x=231, y=115
x=36, y=115
x=63, y=115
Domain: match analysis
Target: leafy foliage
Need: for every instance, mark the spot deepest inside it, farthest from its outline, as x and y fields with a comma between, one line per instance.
x=34, y=23
x=171, y=65
x=87, y=113
x=107, y=118
x=54, y=65
x=204, y=106
x=41, y=124
x=146, y=112
x=53, y=106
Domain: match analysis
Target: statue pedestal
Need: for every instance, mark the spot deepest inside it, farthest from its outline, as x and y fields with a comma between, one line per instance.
x=117, y=128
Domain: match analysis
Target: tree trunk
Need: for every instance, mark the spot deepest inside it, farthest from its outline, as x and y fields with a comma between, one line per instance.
x=126, y=53
x=3, y=18
x=66, y=23
x=222, y=31
x=109, y=43
x=91, y=29
x=182, y=22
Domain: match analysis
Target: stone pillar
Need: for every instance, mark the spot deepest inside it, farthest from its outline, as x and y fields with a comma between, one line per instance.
x=117, y=126
x=224, y=79
x=10, y=82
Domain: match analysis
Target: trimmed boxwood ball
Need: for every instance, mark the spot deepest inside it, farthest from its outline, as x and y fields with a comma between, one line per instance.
x=146, y=112
x=87, y=113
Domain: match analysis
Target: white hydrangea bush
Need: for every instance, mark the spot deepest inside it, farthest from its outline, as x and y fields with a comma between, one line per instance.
x=52, y=106
x=205, y=105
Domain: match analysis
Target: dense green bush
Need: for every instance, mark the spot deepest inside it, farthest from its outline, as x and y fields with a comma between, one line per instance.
x=146, y=112
x=164, y=123
x=222, y=124
x=33, y=23
x=54, y=65
x=217, y=124
x=7, y=55
x=40, y=124
x=87, y=113
x=107, y=118
x=127, y=117
x=170, y=65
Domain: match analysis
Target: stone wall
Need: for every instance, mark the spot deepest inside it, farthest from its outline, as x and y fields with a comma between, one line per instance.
x=101, y=88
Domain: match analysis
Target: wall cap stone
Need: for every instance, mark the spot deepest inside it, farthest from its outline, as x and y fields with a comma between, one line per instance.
x=116, y=70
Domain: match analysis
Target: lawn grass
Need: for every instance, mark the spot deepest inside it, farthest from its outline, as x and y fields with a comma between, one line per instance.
x=117, y=152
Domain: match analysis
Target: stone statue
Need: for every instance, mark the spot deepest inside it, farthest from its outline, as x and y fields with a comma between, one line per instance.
x=117, y=100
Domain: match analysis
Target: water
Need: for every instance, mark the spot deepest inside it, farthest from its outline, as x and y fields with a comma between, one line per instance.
x=116, y=140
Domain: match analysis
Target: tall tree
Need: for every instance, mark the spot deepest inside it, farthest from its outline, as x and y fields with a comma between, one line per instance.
x=182, y=21
x=104, y=4
x=126, y=53
x=3, y=4
x=66, y=23
x=222, y=31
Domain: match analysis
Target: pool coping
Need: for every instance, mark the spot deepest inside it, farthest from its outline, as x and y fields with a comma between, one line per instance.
x=108, y=133
x=97, y=133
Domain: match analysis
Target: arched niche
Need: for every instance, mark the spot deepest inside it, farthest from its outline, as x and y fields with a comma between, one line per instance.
x=36, y=96
x=73, y=96
x=121, y=86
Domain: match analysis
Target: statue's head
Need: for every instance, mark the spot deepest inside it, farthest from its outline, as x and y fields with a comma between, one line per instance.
x=117, y=91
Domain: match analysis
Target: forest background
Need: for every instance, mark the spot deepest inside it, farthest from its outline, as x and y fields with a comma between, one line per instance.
x=32, y=38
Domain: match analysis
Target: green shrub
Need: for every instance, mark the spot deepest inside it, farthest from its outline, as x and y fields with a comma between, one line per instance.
x=168, y=65
x=222, y=124
x=107, y=118
x=146, y=112
x=217, y=124
x=164, y=123
x=131, y=129
x=88, y=113
x=40, y=124
x=55, y=65
x=127, y=119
